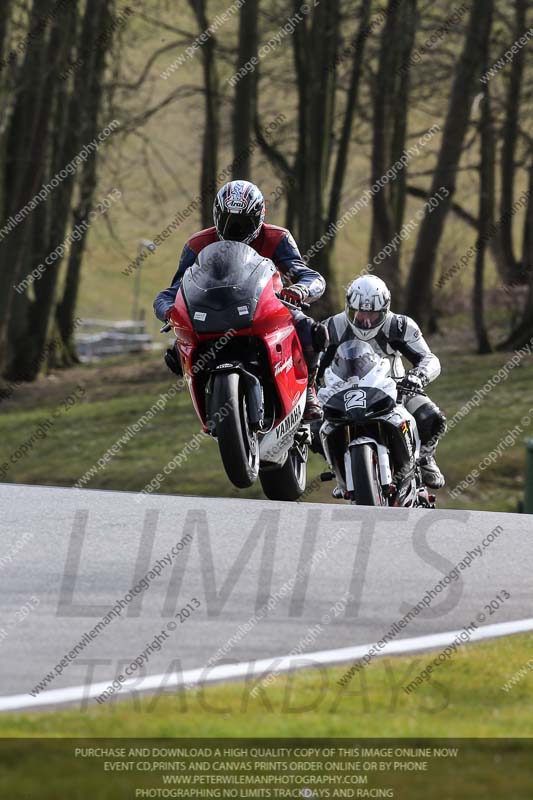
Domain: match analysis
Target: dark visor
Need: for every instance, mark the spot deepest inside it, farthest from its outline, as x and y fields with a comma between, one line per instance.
x=236, y=227
x=366, y=320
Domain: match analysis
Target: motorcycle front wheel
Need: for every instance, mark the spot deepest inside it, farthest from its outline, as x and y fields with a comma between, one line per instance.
x=365, y=472
x=238, y=445
x=286, y=482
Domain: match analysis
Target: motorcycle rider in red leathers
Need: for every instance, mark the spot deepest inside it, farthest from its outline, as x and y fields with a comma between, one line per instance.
x=239, y=214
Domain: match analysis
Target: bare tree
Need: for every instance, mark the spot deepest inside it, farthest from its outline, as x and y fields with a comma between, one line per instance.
x=245, y=105
x=86, y=104
x=419, y=288
x=523, y=332
x=391, y=98
x=508, y=263
x=24, y=171
x=211, y=131
x=486, y=220
x=315, y=175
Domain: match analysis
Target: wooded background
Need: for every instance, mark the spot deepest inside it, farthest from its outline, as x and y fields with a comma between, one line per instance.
x=353, y=84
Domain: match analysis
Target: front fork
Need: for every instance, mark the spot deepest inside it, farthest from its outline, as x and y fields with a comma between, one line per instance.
x=254, y=397
x=385, y=474
x=302, y=441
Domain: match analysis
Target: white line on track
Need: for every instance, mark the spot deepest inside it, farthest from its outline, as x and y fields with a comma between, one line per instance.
x=249, y=669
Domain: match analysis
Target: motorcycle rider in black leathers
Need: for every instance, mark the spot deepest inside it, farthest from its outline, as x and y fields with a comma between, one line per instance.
x=367, y=316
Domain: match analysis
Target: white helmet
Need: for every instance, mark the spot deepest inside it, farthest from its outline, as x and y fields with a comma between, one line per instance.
x=367, y=306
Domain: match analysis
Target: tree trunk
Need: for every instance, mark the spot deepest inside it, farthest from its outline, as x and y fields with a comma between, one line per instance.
x=29, y=330
x=6, y=99
x=422, y=273
x=486, y=218
x=341, y=162
x=244, y=110
x=523, y=333
x=399, y=108
x=89, y=123
x=210, y=141
x=389, y=134
x=74, y=124
x=314, y=48
x=4, y=21
x=508, y=264
x=66, y=355
x=24, y=173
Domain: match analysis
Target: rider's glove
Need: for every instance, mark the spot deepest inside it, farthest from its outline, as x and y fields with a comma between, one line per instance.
x=173, y=362
x=295, y=294
x=168, y=312
x=319, y=337
x=414, y=381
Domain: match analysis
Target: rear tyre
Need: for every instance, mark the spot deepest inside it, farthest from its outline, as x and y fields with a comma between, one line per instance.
x=287, y=482
x=365, y=473
x=238, y=445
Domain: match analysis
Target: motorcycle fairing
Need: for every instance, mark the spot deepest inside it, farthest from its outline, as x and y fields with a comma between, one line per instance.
x=358, y=405
x=273, y=447
x=225, y=270
x=376, y=376
x=405, y=424
x=348, y=402
x=222, y=289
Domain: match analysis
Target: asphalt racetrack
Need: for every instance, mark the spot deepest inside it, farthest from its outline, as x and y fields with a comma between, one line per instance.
x=250, y=581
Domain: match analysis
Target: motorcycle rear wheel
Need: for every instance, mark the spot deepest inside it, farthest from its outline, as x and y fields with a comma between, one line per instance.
x=288, y=482
x=238, y=445
x=365, y=473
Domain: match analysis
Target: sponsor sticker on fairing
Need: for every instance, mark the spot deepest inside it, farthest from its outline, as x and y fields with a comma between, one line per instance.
x=286, y=365
x=355, y=399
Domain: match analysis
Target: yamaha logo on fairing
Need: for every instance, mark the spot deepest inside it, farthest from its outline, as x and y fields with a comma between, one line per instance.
x=288, y=423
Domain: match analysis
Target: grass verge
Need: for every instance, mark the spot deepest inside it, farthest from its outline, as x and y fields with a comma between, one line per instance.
x=117, y=392
x=464, y=698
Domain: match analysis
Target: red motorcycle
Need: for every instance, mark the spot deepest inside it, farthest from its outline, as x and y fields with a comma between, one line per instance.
x=244, y=366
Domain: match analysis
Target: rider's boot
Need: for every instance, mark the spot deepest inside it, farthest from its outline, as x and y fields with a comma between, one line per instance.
x=312, y=406
x=316, y=441
x=312, y=410
x=431, y=474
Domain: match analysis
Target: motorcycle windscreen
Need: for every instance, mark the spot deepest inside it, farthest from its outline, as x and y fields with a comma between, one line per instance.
x=223, y=287
x=354, y=359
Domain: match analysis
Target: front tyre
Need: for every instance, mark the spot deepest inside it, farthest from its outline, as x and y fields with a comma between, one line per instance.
x=286, y=482
x=365, y=473
x=238, y=445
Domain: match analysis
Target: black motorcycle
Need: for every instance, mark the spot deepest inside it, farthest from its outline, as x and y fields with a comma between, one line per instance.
x=368, y=437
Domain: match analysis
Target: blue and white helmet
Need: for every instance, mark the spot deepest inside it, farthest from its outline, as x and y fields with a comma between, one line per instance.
x=239, y=211
x=367, y=305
